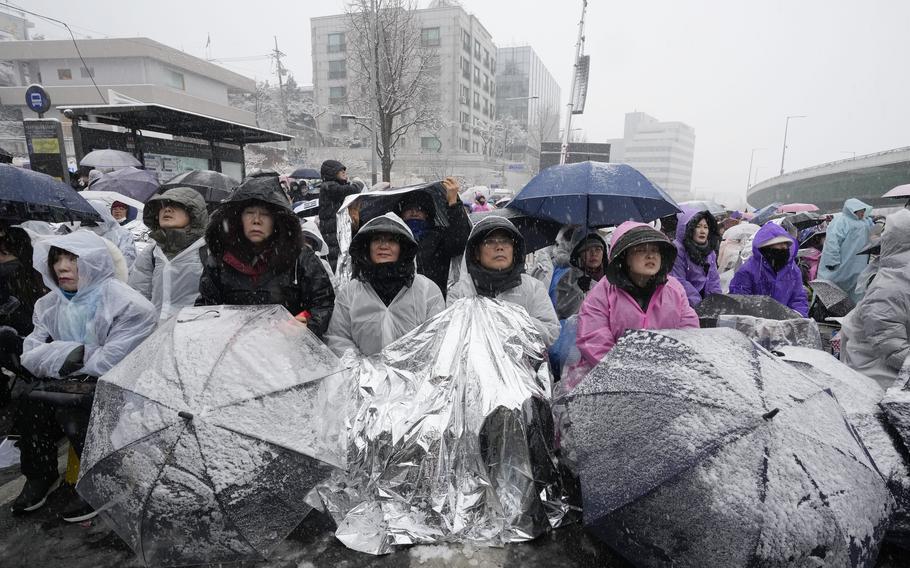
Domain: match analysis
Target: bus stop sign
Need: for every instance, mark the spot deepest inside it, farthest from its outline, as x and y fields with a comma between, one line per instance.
x=37, y=99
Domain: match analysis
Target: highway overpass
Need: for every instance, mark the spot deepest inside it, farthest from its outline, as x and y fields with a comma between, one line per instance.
x=828, y=185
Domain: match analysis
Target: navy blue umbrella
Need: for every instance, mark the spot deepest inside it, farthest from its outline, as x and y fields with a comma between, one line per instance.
x=305, y=173
x=26, y=195
x=593, y=194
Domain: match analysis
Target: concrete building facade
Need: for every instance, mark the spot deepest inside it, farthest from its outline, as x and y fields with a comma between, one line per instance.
x=663, y=151
x=527, y=92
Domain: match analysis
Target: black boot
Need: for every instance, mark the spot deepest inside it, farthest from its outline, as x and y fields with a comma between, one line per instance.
x=34, y=494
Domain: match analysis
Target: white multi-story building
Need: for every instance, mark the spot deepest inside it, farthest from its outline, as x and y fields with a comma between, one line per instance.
x=662, y=151
x=466, y=82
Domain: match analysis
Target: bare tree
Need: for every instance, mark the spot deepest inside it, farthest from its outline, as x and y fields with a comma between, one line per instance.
x=393, y=67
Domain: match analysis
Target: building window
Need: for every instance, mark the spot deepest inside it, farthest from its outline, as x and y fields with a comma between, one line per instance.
x=174, y=79
x=337, y=95
x=477, y=101
x=466, y=68
x=429, y=37
x=338, y=123
x=338, y=69
x=477, y=75
x=493, y=65
x=475, y=147
x=486, y=83
x=430, y=143
x=64, y=74
x=466, y=40
x=465, y=145
x=477, y=49
x=87, y=73
x=486, y=58
x=465, y=95
x=336, y=43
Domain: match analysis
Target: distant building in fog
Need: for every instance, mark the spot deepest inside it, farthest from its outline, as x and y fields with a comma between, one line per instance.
x=577, y=152
x=662, y=151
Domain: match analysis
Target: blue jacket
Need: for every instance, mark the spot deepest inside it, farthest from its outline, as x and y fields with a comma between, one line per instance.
x=756, y=277
x=847, y=235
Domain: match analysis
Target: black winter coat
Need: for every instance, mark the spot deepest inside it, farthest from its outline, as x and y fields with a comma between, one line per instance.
x=331, y=196
x=437, y=247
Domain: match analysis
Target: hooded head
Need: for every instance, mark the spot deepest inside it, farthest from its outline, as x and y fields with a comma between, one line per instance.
x=773, y=234
x=417, y=210
x=389, y=224
x=582, y=241
x=488, y=281
x=631, y=234
x=93, y=259
x=174, y=240
x=685, y=232
x=330, y=170
x=225, y=230
x=895, y=240
x=852, y=205
x=310, y=232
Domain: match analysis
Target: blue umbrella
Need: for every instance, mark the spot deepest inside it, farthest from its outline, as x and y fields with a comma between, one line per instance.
x=305, y=173
x=26, y=195
x=594, y=194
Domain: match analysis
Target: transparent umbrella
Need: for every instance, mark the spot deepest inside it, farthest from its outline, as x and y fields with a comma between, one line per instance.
x=109, y=159
x=205, y=440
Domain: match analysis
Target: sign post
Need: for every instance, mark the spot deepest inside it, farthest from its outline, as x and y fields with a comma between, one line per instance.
x=44, y=136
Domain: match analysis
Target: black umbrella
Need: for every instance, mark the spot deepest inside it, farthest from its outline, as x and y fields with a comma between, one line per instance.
x=538, y=233
x=27, y=195
x=832, y=298
x=379, y=202
x=214, y=186
x=5, y=157
x=699, y=448
x=874, y=248
x=896, y=405
x=305, y=173
x=806, y=219
x=765, y=307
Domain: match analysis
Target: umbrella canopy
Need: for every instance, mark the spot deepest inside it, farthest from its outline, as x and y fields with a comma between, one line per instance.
x=806, y=219
x=305, y=173
x=129, y=181
x=899, y=192
x=26, y=195
x=378, y=202
x=699, y=448
x=109, y=159
x=204, y=441
x=763, y=215
x=593, y=194
x=896, y=405
x=538, y=233
x=835, y=301
x=764, y=307
x=796, y=208
x=711, y=207
x=214, y=186
x=109, y=197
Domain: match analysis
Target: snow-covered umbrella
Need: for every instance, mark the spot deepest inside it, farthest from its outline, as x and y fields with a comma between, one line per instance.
x=109, y=159
x=832, y=298
x=699, y=448
x=204, y=441
x=716, y=305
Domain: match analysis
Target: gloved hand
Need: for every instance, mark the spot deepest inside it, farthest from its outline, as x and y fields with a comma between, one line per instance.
x=73, y=361
x=358, y=183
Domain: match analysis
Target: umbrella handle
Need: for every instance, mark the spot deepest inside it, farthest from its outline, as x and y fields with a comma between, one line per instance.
x=188, y=416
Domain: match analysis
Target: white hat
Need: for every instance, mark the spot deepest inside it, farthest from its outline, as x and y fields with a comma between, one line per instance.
x=776, y=240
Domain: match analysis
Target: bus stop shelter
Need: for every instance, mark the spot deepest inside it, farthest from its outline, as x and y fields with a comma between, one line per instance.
x=166, y=139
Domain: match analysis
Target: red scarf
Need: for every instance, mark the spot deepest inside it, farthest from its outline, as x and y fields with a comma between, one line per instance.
x=259, y=266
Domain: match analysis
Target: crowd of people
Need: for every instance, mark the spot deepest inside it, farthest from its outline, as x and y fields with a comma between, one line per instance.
x=69, y=313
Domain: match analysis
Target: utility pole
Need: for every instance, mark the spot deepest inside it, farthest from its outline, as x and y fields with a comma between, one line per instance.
x=579, y=46
x=277, y=54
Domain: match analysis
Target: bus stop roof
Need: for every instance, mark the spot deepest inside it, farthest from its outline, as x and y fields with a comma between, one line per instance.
x=168, y=120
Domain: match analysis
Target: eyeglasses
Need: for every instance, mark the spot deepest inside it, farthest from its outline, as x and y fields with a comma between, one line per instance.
x=647, y=248
x=493, y=242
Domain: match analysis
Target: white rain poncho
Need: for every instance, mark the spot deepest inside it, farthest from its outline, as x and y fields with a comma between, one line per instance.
x=170, y=284
x=876, y=334
x=111, y=230
x=105, y=316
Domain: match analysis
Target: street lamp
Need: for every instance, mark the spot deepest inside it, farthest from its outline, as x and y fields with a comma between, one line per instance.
x=359, y=120
x=784, y=152
x=749, y=178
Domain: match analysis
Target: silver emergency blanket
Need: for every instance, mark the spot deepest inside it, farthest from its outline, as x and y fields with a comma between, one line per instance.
x=451, y=436
x=774, y=334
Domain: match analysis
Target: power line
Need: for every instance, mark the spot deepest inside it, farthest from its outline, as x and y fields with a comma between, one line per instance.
x=88, y=71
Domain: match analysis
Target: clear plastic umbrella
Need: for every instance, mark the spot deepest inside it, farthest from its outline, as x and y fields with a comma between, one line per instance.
x=205, y=440
x=109, y=159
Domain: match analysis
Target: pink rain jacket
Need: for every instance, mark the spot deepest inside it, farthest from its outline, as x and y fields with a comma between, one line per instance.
x=608, y=311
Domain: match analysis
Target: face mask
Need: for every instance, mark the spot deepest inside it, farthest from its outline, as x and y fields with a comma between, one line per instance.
x=418, y=227
x=777, y=258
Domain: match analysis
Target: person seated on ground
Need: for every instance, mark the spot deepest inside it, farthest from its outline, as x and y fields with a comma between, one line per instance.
x=697, y=239
x=772, y=271
x=168, y=271
x=386, y=298
x=332, y=191
x=636, y=292
x=587, y=268
x=256, y=256
x=120, y=211
x=20, y=287
x=811, y=244
x=480, y=204
x=85, y=325
x=111, y=230
x=848, y=233
x=875, y=337
x=494, y=258
x=436, y=246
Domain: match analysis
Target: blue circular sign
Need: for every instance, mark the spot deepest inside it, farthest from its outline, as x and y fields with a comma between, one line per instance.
x=37, y=99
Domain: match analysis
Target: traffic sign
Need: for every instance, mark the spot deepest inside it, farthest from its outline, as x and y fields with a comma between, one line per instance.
x=37, y=99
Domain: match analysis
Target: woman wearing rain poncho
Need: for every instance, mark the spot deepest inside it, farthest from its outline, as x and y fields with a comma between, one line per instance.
x=85, y=325
x=848, y=233
x=168, y=271
x=386, y=298
x=772, y=270
x=494, y=257
x=876, y=334
x=697, y=239
x=587, y=268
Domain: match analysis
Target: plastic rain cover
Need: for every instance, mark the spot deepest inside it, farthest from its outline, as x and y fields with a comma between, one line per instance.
x=451, y=437
x=700, y=448
x=774, y=334
x=896, y=404
x=205, y=440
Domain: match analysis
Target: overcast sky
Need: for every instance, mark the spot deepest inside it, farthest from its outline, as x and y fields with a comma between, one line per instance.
x=732, y=69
